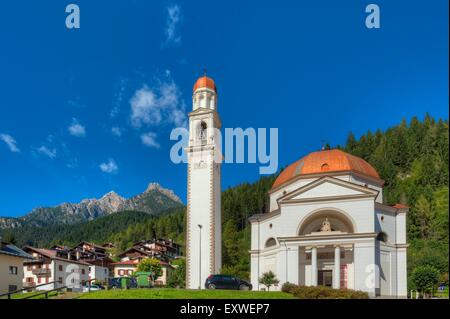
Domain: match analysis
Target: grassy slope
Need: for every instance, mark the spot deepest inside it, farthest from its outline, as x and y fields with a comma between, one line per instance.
x=183, y=294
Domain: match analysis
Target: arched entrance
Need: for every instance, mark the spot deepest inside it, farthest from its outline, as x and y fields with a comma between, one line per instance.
x=326, y=258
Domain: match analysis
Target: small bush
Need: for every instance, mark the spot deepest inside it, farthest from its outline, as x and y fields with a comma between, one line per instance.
x=268, y=279
x=288, y=287
x=323, y=292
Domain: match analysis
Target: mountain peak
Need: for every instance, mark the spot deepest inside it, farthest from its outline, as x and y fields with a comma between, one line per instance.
x=112, y=194
x=153, y=186
x=168, y=192
x=156, y=199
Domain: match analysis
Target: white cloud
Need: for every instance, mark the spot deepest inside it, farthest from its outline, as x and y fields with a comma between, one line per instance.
x=158, y=105
x=145, y=108
x=117, y=131
x=10, y=141
x=51, y=153
x=109, y=167
x=118, y=97
x=173, y=19
x=76, y=129
x=149, y=139
x=72, y=162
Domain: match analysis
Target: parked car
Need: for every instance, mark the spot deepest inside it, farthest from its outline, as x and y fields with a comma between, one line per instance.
x=226, y=282
x=119, y=282
x=93, y=288
x=114, y=283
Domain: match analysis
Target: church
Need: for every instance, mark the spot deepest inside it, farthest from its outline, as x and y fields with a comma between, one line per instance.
x=327, y=225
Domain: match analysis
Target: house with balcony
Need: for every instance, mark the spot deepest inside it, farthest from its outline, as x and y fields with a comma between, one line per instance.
x=162, y=249
x=53, y=268
x=97, y=257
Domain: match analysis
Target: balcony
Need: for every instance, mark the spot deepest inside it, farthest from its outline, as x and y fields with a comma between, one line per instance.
x=41, y=272
x=29, y=284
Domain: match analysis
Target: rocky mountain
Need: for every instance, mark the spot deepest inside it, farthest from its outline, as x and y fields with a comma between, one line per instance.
x=154, y=200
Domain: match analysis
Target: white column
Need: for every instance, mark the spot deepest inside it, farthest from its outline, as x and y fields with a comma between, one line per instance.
x=292, y=265
x=365, y=270
x=337, y=268
x=402, y=277
x=314, y=266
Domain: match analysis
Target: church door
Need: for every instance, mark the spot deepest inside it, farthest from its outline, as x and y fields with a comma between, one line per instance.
x=325, y=278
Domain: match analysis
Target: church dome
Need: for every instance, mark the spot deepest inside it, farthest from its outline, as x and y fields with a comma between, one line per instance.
x=327, y=161
x=205, y=82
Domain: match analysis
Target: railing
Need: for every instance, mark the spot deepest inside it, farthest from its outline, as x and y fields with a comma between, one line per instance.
x=41, y=271
x=29, y=284
x=46, y=292
x=8, y=294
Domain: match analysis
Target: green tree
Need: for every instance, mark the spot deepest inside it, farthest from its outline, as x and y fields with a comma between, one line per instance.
x=151, y=265
x=177, y=277
x=9, y=238
x=268, y=279
x=425, y=279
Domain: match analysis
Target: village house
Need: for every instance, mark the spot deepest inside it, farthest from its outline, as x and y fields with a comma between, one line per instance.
x=161, y=249
x=97, y=257
x=11, y=267
x=127, y=268
x=54, y=267
x=156, y=248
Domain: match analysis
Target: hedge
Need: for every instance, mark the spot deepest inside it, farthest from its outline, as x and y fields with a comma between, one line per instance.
x=322, y=292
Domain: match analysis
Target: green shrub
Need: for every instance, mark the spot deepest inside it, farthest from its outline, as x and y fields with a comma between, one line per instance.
x=288, y=287
x=268, y=279
x=323, y=292
x=425, y=278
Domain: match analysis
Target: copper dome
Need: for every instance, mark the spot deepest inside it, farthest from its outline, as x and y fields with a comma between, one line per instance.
x=327, y=161
x=205, y=82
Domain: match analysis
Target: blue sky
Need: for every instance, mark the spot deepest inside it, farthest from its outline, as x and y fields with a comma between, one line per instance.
x=70, y=123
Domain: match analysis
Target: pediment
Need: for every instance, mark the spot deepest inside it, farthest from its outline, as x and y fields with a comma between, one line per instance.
x=328, y=187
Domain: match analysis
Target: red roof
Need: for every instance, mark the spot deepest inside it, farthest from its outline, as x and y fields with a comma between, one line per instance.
x=323, y=162
x=400, y=206
x=135, y=262
x=126, y=262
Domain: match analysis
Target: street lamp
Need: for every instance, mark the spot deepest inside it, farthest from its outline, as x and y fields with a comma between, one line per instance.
x=287, y=250
x=200, y=258
x=259, y=251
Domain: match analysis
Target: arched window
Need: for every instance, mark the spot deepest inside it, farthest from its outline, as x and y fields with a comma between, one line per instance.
x=271, y=242
x=325, y=167
x=326, y=222
x=382, y=236
x=201, y=131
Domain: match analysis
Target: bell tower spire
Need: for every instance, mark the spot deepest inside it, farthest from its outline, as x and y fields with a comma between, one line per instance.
x=203, y=231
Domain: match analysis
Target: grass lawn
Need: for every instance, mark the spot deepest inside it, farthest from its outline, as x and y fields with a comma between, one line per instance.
x=184, y=294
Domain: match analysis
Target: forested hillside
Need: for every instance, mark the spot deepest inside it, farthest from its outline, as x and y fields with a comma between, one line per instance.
x=412, y=158
x=99, y=230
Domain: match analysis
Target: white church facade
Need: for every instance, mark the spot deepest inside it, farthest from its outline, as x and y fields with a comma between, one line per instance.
x=327, y=225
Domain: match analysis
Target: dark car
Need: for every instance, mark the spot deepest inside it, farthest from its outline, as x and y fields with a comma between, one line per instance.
x=226, y=282
x=114, y=283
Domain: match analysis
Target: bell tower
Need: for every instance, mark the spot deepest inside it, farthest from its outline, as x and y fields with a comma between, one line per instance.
x=203, y=229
